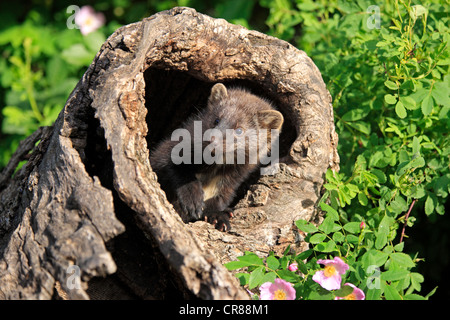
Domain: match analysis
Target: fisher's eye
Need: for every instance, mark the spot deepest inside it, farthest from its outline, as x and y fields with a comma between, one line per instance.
x=238, y=131
x=216, y=122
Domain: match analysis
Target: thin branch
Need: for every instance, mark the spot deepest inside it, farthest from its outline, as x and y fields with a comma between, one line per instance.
x=406, y=219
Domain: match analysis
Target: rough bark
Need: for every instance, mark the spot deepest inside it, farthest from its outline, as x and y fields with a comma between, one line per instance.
x=87, y=197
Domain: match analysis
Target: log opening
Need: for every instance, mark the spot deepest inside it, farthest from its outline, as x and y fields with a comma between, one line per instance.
x=171, y=96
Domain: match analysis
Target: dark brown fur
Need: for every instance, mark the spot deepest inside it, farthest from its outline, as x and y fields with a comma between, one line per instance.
x=206, y=190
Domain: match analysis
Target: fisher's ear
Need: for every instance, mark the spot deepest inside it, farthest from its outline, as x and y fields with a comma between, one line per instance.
x=270, y=119
x=218, y=92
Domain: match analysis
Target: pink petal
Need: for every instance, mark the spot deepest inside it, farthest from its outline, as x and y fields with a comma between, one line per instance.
x=340, y=265
x=286, y=287
x=337, y=262
x=88, y=20
x=293, y=267
x=329, y=283
x=268, y=289
x=265, y=290
x=359, y=294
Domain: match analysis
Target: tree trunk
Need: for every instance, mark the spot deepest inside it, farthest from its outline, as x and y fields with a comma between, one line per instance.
x=85, y=216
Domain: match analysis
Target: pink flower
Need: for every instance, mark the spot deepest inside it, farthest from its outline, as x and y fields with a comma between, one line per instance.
x=357, y=294
x=362, y=225
x=330, y=277
x=88, y=20
x=293, y=267
x=279, y=290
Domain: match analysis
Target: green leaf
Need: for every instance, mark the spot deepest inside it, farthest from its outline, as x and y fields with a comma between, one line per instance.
x=429, y=206
x=251, y=260
x=352, y=239
x=414, y=296
x=343, y=291
x=399, y=204
x=338, y=237
x=362, y=198
x=330, y=186
x=417, y=162
x=427, y=105
x=440, y=93
x=18, y=121
x=371, y=178
x=373, y=294
x=352, y=227
x=431, y=293
x=409, y=103
x=256, y=277
x=306, y=226
x=390, y=99
x=317, y=238
x=400, y=110
x=353, y=189
x=417, y=11
x=383, y=231
x=402, y=259
x=304, y=255
x=360, y=126
x=77, y=55
x=374, y=257
x=382, y=43
x=416, y=280
x=272, y=262
x=399, y=247
x=415, y=145
x=233, y=265
x=302, y=266
x=94, y=40
x=390, y=292
x=355, y=114
x=329, y=246
x=327, y=225
x=331, y=212
x=288, y=275
x=380, y=175
x=394, y=275
x=269, y=277
x=391, y=85
x=56, y=70
x=243, y=278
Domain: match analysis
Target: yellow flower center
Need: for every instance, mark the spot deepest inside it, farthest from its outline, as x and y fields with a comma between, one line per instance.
x=279, y=295
x=329, y=271
x=351, y=296
x=89, y=21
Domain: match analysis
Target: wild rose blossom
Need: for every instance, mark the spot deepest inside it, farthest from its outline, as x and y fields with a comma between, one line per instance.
x=330, y=277
x=357, y=294
x=88, y=20
x=279, y=290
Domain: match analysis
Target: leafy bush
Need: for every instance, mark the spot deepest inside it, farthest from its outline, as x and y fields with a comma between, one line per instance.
x=44, y=56
x=386, y=67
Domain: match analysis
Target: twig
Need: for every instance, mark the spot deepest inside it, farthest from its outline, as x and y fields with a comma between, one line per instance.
x=406, y=220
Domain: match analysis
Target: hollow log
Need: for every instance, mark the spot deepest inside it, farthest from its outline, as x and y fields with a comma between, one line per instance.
x=85, y=217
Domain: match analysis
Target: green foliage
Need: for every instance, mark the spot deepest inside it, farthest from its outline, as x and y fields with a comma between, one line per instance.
x=41, y=65
x=391, y=99
x=43, y=59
